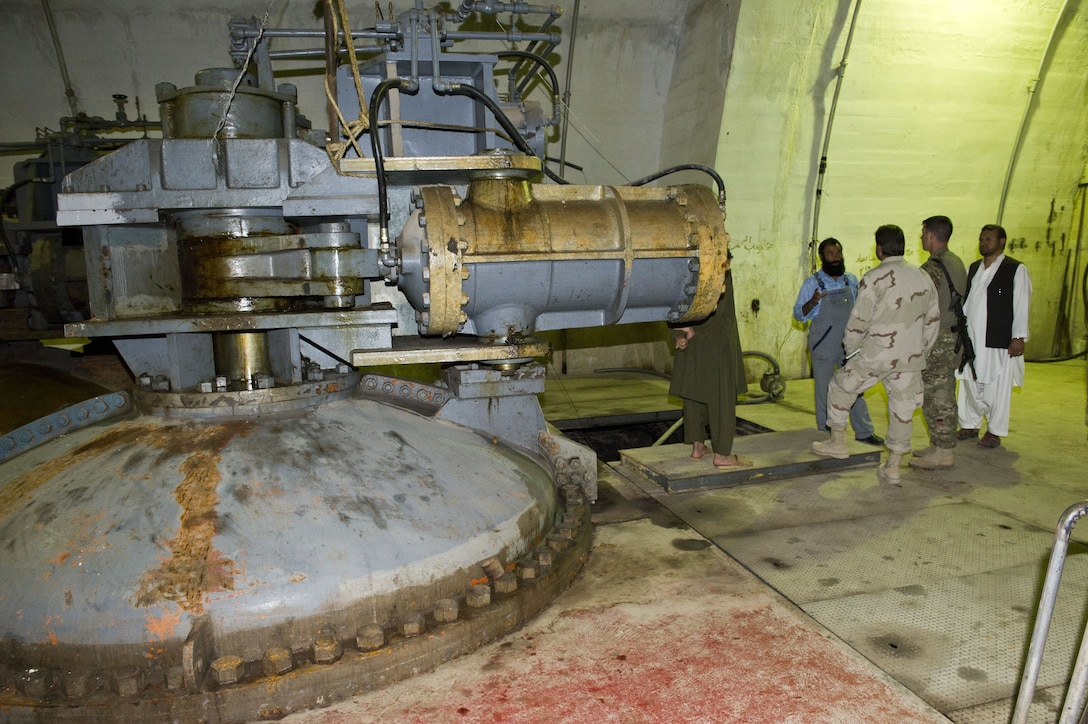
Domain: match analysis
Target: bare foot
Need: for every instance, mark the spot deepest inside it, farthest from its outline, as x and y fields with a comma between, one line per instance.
x=730, y=461
x=698, y=450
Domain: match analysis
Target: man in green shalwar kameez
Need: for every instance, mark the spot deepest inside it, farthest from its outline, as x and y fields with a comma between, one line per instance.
x=707, y=374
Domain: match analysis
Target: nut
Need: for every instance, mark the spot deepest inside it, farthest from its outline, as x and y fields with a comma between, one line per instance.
x=227, y=669
x=370, y=638
x=445, y=610
x=506, y=583
x=478, y=596
x=412, y=624
x=326, y=649
x=277, y=660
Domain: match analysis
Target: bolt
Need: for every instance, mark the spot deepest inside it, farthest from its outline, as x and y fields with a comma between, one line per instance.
x=412, y=624
x=528, y=569
x=207, y=386
x=221, y=383
x=175, y=678
x=572, y=493
x=445, y=610
x=277, y=660
x=326, y=649
x=343, y=369
x=492, y=568
x=34, y=682
x=160, y=383
x=478, y=596
x=75, y=683
x=265, y=382
x=566, y=531
x=227, y=669
x=145, y=381
x=543, y=556
x=370, y=637
x=506, y=583
x=557, y=542
x=126, y=680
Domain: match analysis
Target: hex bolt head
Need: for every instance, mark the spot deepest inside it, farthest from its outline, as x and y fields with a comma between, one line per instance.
x=543, y=556
x=446, y=610
x=506, y=583
x=528, y=569
x=572, y=493
x=277, y=660
x=207, y=386
x=478, y=596
x=34, y=682
x=126, y=680
x=175, y=678
x=326, y=650
x=557, y=542
x=75, y=683
x=227, y=669
x=566, y=531
x=370, y=637
x=343, y=368
x=412, y=624
x=493, y=568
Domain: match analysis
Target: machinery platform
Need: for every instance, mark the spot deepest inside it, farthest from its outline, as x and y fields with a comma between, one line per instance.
x=774, y=456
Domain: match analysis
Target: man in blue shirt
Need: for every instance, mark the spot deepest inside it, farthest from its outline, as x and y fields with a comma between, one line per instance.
x=825, y=300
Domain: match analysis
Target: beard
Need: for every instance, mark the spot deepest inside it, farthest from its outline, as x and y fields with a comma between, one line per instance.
x=834, y=268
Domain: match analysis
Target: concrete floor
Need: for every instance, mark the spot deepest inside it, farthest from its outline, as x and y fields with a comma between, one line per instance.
x=818, y=598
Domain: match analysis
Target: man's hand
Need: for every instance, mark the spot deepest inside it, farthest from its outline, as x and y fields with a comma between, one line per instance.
x=686, y=333
x=1016, y=347
x=811, y=303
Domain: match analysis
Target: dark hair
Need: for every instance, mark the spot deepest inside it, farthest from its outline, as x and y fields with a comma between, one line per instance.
x=891, y=241
x=994, y=227
x=829, y=241
x=941, y=226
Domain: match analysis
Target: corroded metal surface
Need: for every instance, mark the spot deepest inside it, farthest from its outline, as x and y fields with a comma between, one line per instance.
x=157, y=570
x=510, y=258
x=60, y=423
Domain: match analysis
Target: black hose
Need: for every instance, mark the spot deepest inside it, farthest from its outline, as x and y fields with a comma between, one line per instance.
x=376, y=149
x=688, y=167
x=462, y=89
x=542, y=63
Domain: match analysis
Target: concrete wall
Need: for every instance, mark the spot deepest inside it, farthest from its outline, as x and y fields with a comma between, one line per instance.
x=926, y=123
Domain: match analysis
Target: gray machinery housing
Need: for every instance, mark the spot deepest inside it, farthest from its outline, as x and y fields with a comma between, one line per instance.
x=265, y=513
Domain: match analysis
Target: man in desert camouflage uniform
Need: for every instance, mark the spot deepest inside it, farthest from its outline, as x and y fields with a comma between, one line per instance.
x=891, y=329
x=939, y=377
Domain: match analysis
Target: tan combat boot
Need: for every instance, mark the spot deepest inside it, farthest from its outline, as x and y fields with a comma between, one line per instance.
x=834, y=447
x=934, y=458
x=889, y=471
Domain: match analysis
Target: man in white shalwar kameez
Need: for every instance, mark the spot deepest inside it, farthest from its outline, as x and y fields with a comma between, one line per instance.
x=996, y=305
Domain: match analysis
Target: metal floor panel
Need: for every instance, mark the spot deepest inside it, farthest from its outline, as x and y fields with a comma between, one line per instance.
x=892, y=550
x=773, y=456
x=804, y=501
x=959, y=642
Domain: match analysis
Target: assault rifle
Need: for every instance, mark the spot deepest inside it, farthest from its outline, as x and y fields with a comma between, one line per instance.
x=963, y=340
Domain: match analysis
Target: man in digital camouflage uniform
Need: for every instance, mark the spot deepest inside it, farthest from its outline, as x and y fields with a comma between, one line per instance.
x=891, y=329
x=939, y=376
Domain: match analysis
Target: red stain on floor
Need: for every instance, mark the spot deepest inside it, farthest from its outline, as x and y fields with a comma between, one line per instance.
x=742, y=664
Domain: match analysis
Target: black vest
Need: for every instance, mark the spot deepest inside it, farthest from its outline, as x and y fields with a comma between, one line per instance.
x=999, y=307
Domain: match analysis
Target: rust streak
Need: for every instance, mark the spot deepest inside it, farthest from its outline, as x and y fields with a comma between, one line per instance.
x=194, y=566
x=22, y=488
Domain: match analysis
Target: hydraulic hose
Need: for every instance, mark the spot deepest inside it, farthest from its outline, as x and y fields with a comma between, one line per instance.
x=688, y=167
x=462, y=89
x=376, y=149
x=541, y=63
